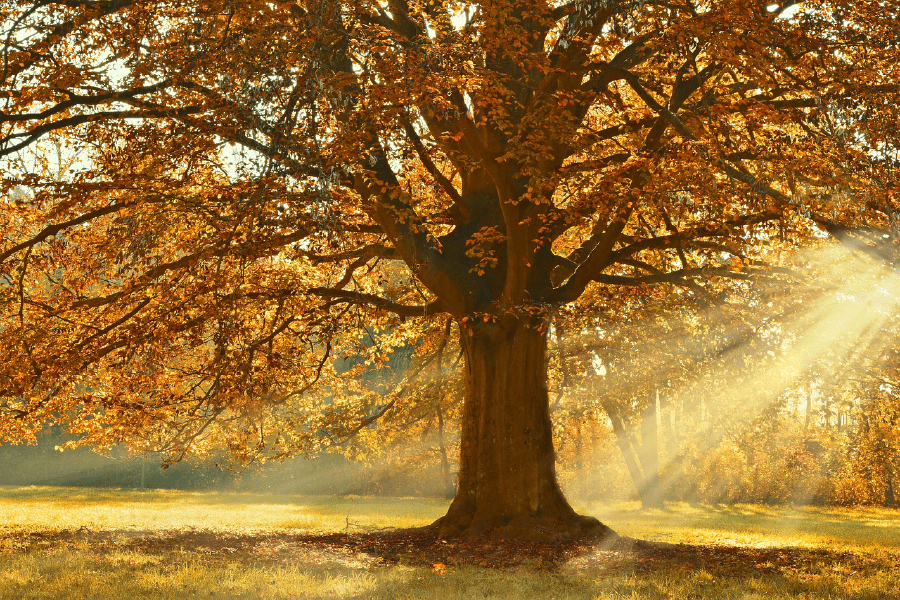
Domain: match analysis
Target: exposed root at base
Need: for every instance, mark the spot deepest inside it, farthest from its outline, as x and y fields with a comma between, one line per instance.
x=533, y=528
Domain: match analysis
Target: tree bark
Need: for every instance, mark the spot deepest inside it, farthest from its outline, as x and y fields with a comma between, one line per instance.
x=507, y=476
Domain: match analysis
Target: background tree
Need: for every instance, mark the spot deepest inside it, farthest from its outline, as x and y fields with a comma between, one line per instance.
x=259, y=180
x=785, y=394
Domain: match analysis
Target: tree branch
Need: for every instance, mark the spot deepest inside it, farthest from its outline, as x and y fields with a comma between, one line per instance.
x=404, y=310
x=52, y=230
x=601, y=245
x=446, y=185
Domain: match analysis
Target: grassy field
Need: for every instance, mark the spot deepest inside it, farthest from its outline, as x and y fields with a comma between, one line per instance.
x=81, y=543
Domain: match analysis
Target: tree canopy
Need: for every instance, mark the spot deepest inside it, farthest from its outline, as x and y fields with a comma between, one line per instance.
x=212, y=206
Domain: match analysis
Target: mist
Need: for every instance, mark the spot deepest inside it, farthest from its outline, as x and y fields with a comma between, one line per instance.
x=781, y=359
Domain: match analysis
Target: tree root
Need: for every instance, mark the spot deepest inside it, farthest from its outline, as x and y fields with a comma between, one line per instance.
x=534, y=528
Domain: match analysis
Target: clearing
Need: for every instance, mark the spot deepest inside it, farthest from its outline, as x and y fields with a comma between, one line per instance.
x=102, y=543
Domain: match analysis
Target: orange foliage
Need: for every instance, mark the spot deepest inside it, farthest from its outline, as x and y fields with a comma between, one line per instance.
x=221, y=219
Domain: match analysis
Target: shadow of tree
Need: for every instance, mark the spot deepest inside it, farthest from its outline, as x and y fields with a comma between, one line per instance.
x=421, y=547
x=460, y=568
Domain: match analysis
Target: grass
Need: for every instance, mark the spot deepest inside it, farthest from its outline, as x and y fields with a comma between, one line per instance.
x=46, y=508
x=863, y=529
x=80, y=543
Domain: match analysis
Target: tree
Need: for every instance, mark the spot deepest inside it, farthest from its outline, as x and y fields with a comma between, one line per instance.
x=255, y=181
x=643, y=368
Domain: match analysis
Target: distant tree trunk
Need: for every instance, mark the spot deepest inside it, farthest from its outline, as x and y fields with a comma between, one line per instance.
x=889, y=497
x=666, y=416
x=624, y=441
x=579, y=445
x=579, y=455
x=651, y=495
x=808, y=409
x=642, y=459
x=507, y=476
x=673, y=465
x=449, y=488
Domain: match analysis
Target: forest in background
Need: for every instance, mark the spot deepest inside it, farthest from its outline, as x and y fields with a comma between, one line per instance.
x=659, y=421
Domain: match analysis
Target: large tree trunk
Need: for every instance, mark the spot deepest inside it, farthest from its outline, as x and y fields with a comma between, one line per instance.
x=507, y=477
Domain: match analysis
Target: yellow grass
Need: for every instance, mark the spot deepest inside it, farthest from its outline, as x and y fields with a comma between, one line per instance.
x=45, y=508
x=79, y=543
x=865, y=529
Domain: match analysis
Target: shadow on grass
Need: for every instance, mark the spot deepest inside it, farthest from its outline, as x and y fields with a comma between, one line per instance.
x=464, y=568
x=420, y=547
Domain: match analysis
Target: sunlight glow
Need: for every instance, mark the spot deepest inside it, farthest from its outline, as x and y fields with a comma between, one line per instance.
x=809, y=340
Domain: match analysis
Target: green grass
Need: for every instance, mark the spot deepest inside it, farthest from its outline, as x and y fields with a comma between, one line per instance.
x=80, y=543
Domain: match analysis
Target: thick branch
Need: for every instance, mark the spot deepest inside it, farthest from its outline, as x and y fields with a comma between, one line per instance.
x=370, y=251
x=35, y=134
x=676, y=277
x=881, y=247
x=602, y=244
x=407, y=232
x=446, y=185
x=404, y=310
x=52, y=230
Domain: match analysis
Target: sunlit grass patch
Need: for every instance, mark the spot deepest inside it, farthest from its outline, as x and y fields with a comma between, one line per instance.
x=66, y=543
x=835, y=528
x=45, y=509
